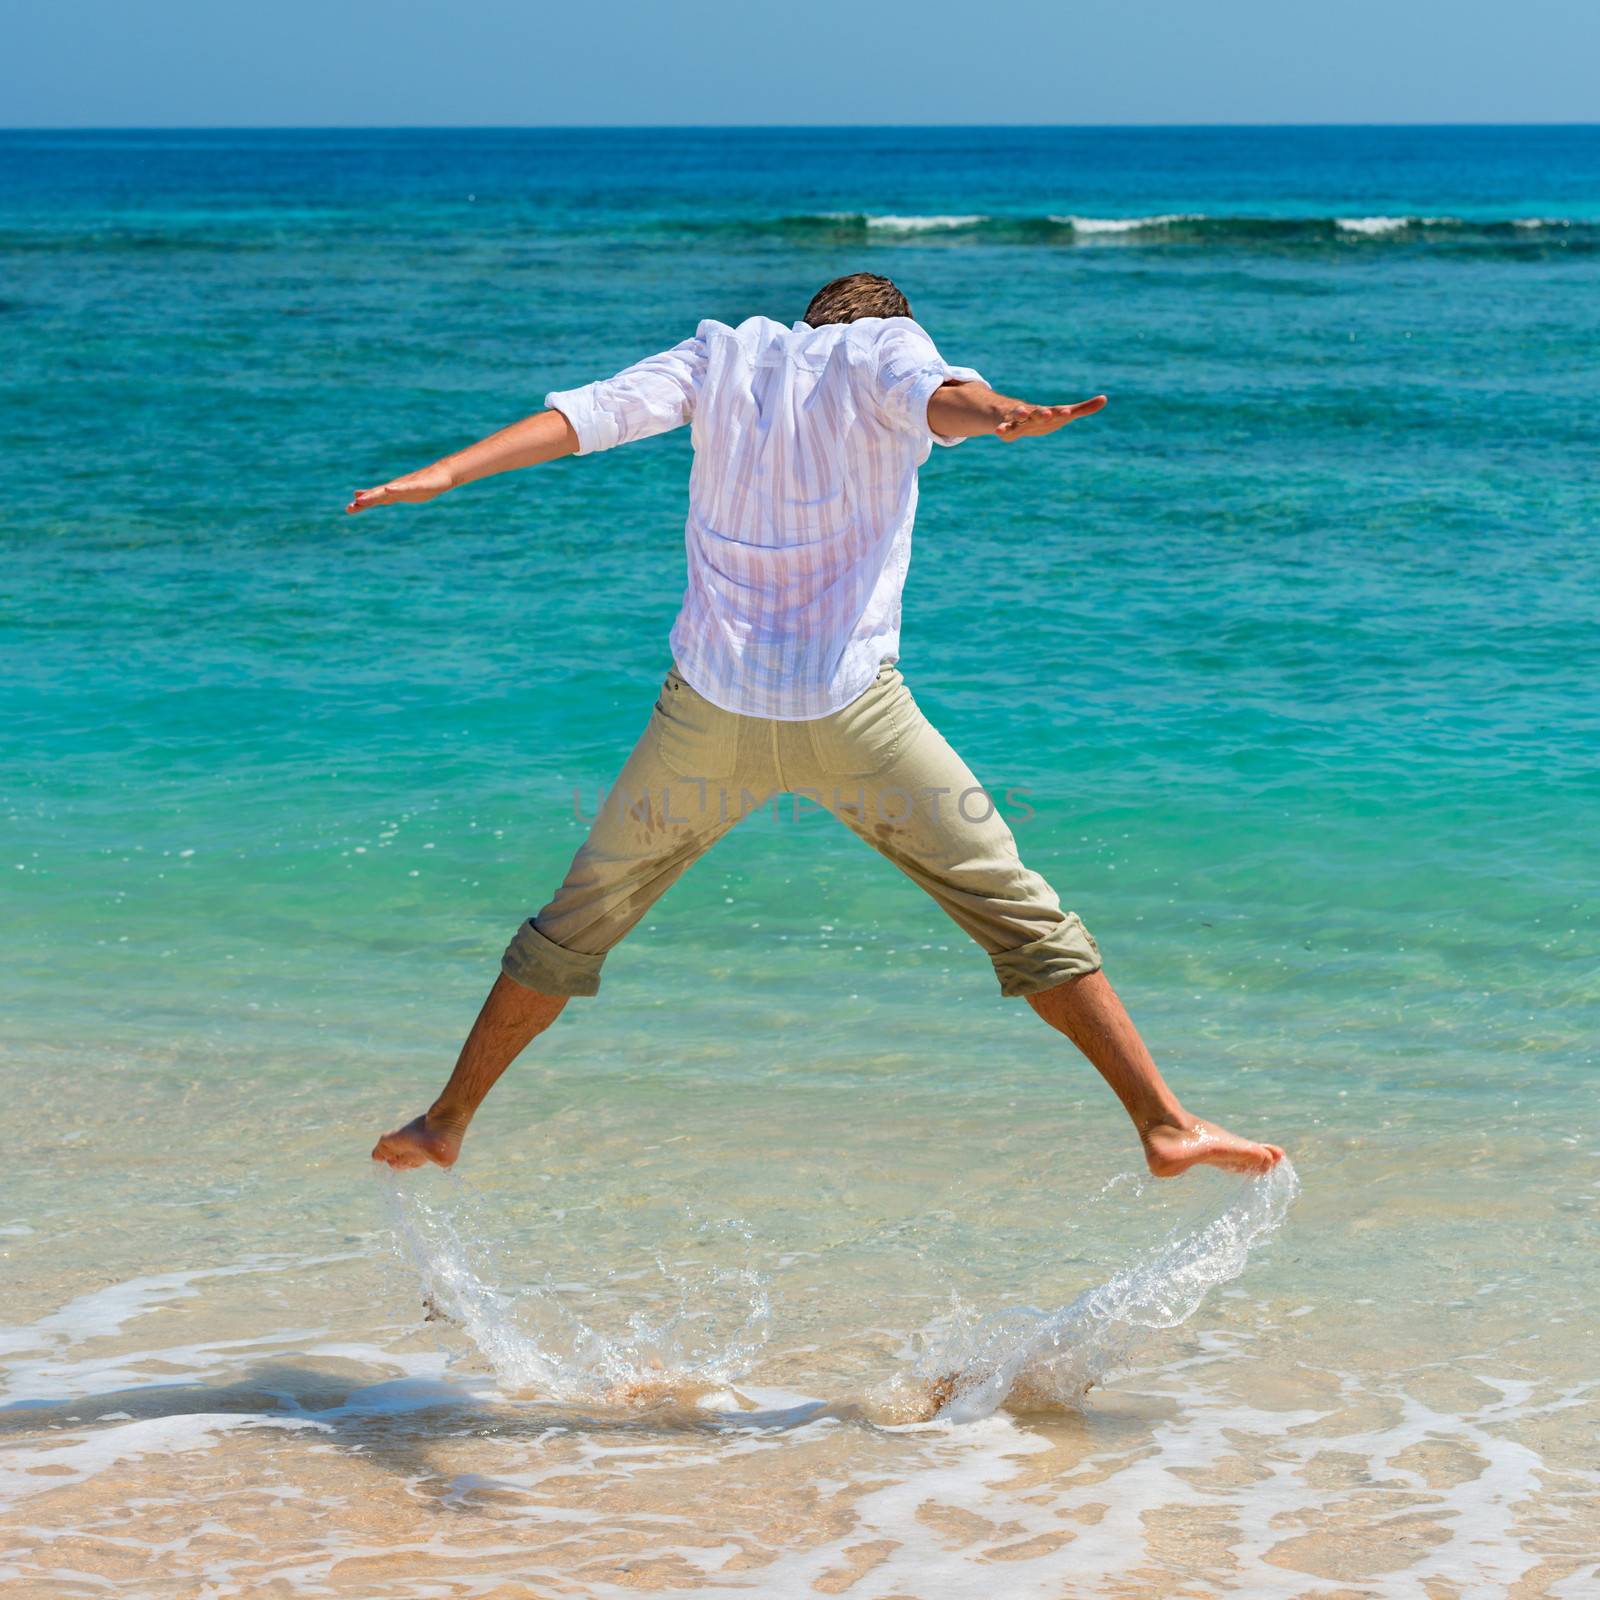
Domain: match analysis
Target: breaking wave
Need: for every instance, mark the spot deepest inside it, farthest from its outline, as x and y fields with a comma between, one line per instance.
x=1520, y=235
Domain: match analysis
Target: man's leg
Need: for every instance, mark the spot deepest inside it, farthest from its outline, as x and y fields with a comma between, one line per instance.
x=511, y=1018
x=1088, y=1011
x=920, y=807
x=679, y=792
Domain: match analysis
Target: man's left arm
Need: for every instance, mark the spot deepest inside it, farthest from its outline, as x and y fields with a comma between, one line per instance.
x=970, y=410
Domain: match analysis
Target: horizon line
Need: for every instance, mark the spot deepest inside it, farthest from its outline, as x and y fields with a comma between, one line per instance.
x=743, y=127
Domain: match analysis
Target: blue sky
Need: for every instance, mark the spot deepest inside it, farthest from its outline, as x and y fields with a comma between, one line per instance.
x=531, y=62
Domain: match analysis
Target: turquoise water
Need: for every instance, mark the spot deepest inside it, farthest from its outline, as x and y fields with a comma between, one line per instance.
x=1294, y=649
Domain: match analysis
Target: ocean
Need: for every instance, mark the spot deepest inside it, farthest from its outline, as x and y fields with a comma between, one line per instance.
x=1292, y=651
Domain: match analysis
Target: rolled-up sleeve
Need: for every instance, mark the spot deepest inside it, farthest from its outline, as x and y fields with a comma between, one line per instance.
x=909, y=369
x=650, y=397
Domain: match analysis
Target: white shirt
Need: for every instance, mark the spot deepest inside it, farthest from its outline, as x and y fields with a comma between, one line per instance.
x=806, y=448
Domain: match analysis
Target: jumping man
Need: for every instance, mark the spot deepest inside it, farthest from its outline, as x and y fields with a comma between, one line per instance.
x=807, y=441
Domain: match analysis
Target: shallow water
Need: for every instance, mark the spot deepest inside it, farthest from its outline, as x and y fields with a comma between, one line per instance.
x=1294, y=650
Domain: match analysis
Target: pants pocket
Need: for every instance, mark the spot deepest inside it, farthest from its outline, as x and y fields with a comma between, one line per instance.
x=861, y=740
x=695, y=740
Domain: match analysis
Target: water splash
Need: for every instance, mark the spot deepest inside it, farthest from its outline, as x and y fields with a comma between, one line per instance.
x=700, y=1325
x=1040, y=1360
x=703, y=1325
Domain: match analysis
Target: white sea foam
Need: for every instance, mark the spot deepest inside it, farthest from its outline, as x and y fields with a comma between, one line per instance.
x=1474, y=1536
x=1372, y=227
x=1244, y=228
x=971, y=1365
x=924, y=224
x=35, y=1471
x=102, y=1312
x=1164, y=219
x=43, y=1360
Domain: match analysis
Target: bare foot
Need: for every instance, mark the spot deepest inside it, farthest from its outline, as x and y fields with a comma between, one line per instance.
x=1174, y=1147
x=418, y=1142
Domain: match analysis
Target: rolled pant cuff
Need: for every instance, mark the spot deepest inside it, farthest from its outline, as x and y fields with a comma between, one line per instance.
x=540, y=964
x=1069, y=951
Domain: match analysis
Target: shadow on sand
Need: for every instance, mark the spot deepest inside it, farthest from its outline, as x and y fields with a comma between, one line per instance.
x=395, y=1422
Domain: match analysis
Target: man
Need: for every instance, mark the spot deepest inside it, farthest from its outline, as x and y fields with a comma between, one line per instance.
x=807, y=442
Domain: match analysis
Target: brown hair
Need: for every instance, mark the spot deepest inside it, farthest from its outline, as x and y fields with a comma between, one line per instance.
x=857, y=295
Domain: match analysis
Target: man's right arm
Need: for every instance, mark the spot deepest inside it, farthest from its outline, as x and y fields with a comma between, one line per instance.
x=970, y=410
x=543, y=437
x=650, y=397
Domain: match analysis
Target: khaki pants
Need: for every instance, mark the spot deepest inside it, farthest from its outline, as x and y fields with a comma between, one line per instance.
x=878, y=765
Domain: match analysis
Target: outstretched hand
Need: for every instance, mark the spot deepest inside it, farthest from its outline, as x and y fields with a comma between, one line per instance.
x=1027, y=422
x=412, y=489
